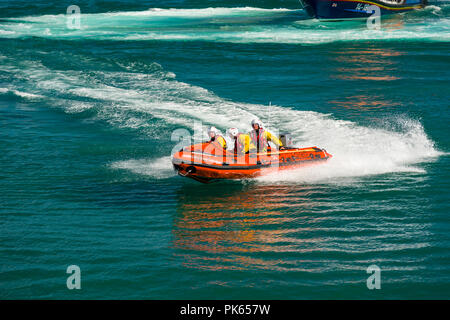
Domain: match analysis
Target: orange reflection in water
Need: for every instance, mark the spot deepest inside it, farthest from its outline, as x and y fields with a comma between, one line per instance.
x=375, y=64
x=223, y=231
x=365, y=63
x=393, y=22
x=363, y=102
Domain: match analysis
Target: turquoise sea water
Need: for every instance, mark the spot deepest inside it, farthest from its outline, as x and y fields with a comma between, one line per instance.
x=86, y=121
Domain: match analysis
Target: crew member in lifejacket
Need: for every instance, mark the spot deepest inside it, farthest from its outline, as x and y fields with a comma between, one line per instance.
x=216, y=138
x=260, y=137
x=241, y=142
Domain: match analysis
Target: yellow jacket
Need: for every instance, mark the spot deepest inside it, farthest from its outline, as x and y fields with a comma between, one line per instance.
x=271, y=137
x=244, y=143
x=220, y=141
x=263, y=138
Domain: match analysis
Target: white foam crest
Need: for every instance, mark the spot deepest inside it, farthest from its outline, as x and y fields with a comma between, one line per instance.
x=160, y=168
x=77, y=107
x=21, y=94
x=7, y=32
x=200, y=13
x=27, y=94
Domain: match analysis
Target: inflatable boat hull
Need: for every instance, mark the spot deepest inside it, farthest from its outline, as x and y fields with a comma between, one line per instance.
x=204, y=165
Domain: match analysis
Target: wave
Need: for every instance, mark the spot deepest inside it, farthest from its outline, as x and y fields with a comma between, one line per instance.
x=235, y=25
x=20, y=94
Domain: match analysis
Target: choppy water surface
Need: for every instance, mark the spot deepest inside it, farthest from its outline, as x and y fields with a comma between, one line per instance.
x=87, y=117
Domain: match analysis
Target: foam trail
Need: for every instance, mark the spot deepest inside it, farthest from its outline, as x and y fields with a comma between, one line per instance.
x=21, y=94
x=235, y=25
x=130, y=99
x=154, y=104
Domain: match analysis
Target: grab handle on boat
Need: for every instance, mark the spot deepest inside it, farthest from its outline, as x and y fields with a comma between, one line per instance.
x=188, y=171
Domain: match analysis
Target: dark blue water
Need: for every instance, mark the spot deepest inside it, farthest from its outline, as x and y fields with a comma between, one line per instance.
x=87, y=117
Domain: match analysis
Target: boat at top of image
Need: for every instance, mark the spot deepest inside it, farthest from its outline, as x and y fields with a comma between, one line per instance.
x=357, y=9
x=206, y=163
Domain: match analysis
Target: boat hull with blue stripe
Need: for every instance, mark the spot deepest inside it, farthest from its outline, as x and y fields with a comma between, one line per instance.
x=357, y=9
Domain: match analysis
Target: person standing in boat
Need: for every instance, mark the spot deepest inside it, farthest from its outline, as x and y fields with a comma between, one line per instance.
x=216, y=138
x=261, y=137
x=242, y=143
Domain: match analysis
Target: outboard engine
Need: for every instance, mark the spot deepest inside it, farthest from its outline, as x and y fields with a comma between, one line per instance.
x=286, y=140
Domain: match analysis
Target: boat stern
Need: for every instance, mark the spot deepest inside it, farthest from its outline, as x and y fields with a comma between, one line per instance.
x=335, y=10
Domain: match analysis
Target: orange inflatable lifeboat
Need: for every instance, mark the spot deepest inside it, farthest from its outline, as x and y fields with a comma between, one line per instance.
x=205, y=163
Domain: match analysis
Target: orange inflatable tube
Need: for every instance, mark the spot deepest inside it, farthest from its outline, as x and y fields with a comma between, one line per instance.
x=205, y=163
